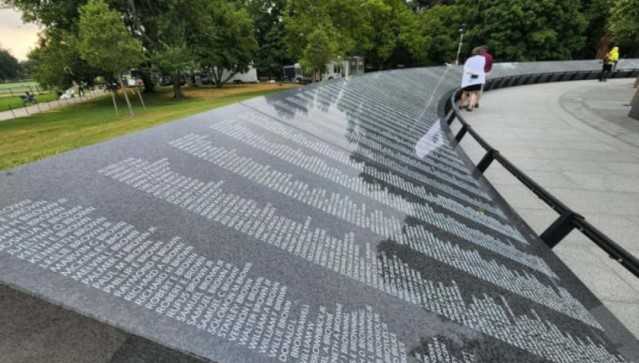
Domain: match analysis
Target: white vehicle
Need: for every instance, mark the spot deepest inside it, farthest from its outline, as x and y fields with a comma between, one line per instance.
x=294, y=73
x=132, y=81
x=335, y=70
x=339, y=69
x=249, y=76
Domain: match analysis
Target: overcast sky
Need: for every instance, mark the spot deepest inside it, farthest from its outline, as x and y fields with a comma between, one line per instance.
x=17, y=37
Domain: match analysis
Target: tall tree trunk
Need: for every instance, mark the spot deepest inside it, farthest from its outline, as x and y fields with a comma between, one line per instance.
x=219, y=73
x=115, y=103
x=603, y=47
x=149, y=85
x=126, y=98
x=177, y=87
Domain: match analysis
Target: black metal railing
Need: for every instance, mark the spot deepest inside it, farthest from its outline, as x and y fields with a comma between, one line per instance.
x=568, y=219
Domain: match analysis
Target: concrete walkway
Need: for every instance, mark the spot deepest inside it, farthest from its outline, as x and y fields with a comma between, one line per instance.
x=47, y=106
x=575, y=139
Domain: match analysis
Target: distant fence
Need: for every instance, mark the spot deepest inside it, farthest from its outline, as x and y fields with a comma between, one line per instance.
x=17, y=89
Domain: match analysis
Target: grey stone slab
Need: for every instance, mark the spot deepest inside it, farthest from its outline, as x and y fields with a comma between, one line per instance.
x=35, y=332
x=598, y=202
x=606, y=112
x=631, y=169
x=593, y=270
x=604, y=181
x=627, y=312
x=520, y=197
x=572, y=154
x=337, y=222
x=138, y=350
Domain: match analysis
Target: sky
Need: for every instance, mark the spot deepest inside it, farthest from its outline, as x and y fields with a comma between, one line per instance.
x=15, y=36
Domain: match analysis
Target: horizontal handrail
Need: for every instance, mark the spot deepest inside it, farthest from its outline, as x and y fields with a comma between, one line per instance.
x=535, y=187
x=568, y=219
x=616, y=252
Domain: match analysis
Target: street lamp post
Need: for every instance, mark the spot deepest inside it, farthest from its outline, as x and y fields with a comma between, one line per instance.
x=461, y=42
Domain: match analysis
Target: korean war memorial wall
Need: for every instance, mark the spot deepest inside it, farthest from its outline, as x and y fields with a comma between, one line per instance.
x=334, y=223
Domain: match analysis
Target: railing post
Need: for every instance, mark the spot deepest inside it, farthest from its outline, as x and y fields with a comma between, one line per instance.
x=560, y=228
x=462, y=132
x=488, y=159
x=451, y=117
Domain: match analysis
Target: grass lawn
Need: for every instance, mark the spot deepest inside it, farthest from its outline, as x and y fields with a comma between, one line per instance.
x=35, y=137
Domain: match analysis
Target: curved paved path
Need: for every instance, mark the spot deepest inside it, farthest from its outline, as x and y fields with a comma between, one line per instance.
x=48, y=106
x=575, y=139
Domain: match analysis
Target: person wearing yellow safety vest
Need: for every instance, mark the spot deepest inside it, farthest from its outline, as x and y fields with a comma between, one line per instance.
x=609, y=64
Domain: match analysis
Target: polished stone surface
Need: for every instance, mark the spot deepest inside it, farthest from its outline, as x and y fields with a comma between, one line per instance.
x=565, y=125
x=332, y=223
x=34, y=331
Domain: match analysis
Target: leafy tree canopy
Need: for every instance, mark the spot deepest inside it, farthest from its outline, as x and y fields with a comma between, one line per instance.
x=272, y=53
x=224, y=39
x=624, y=24
x=324, y=50
x=425, y=4
x=597, y=13
x=525, y=30
x=373, y=28
x=56, y=62
x=272, y=33
x=9, y=66
x=104, y=41
x=441, y=25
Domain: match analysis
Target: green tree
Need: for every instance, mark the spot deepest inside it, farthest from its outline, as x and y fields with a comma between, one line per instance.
x=624, y=25
x=54, y=15
x=376, y=29
x=161, y=26
x=394, y=27
x=173, y=60
x=105, y=42
x=441, y=24
x=321, y=50
x=597, y=13
x=143, y=18
x=26, y=69
x=56, y=62
x=173, y=54
x=301, y=19
x=224, y=40
x=9, y=66
x=272, y=53
x=426, y=4
x=385, y=38
x=523, y=30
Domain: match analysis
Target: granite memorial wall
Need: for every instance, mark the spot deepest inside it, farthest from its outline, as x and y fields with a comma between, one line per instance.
x=334, y=223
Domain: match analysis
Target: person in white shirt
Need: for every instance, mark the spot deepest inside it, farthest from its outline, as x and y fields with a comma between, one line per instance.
x=473, y=79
